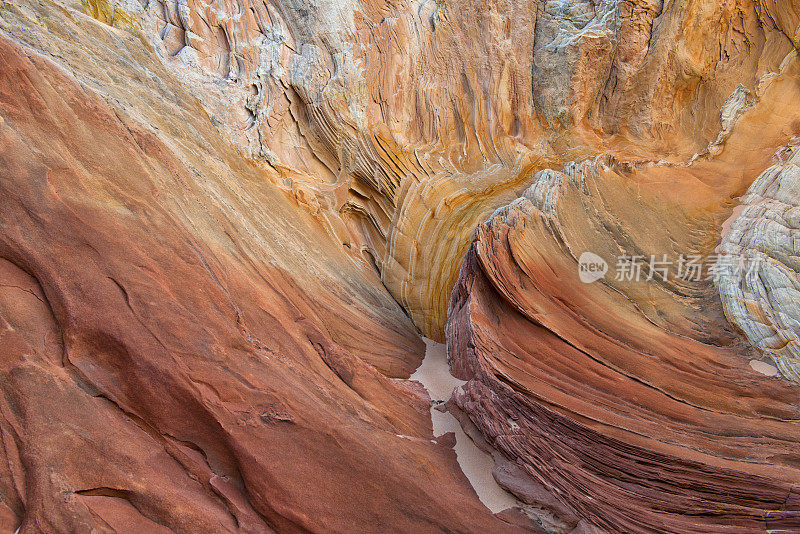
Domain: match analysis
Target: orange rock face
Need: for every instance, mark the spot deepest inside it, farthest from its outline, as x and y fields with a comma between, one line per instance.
x=224, y=225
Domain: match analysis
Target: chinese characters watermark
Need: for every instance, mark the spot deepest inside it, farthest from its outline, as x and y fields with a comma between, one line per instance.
x=637, y=268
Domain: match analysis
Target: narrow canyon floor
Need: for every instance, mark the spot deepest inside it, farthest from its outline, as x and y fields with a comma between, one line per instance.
x=434, y=374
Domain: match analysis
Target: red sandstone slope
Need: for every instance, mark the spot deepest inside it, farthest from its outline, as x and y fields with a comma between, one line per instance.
x=160, y=372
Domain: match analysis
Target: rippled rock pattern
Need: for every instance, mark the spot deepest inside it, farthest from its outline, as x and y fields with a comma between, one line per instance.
x=611, y=394
x=402, y=125
x=224, y=225
x=760, y=287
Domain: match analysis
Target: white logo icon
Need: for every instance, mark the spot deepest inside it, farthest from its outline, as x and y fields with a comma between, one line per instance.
x=591, y=267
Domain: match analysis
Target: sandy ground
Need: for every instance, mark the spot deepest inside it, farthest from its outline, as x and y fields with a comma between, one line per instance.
x=764, y=368
x=434, y=374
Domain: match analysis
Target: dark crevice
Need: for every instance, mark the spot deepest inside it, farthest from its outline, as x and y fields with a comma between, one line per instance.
x=106, y=492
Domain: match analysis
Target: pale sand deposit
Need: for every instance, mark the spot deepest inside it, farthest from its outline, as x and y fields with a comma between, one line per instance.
x=434, y=374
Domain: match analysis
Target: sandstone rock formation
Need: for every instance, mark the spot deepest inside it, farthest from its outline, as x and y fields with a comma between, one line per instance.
x=759, y=284
x=611, y=394
x=224, y=225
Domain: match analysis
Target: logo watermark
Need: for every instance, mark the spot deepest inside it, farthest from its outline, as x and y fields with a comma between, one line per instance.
x=591, y=267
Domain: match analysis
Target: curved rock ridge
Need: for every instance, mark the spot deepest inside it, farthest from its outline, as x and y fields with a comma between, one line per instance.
x=402, y=125
x=613, y=394
x=634, y=400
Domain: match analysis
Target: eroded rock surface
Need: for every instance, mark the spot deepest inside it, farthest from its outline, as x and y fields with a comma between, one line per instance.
x=224, y=222
x=632, y=398
x=402, y=125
